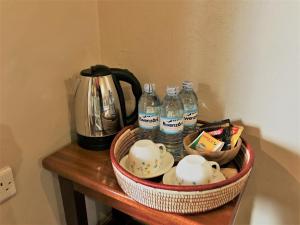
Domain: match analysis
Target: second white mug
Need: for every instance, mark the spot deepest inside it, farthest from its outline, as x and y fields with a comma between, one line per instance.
x=195, y=170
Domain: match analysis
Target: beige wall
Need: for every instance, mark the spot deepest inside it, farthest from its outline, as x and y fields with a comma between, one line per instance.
x=43, y=45
x=243, y=57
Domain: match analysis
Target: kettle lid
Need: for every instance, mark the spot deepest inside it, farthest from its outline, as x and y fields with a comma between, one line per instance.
x=95, y=71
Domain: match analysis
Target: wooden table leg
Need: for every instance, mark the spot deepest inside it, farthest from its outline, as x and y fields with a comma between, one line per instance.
x=119, y=218
x=74, y=203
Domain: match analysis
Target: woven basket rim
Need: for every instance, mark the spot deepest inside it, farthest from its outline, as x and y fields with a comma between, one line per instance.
x=245, y=169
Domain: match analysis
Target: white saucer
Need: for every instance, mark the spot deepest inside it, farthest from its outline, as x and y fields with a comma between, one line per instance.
x=170, y=177
x=217, y=177
x=167, y=163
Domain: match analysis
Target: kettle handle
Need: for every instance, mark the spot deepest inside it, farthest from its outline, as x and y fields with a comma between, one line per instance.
x=128, y=77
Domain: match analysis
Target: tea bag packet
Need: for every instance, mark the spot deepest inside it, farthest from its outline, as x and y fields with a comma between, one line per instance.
x=236, y=132
x=206, y=142
x=220, y=130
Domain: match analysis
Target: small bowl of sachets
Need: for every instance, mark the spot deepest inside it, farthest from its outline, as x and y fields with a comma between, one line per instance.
x=219, y=141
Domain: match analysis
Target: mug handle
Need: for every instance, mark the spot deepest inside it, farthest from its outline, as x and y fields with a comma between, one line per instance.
x=212, y=163
x=162, y=149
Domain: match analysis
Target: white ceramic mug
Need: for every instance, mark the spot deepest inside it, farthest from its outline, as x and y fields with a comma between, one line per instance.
x=195, y=170
x=145, y=157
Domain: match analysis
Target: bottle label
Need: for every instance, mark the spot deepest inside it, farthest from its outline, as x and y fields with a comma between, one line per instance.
x=148, y=121
x=190, y=118
x=171, y=125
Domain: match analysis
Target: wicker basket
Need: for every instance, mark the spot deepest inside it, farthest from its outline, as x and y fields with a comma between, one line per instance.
x=177, y=199
x=221, y=157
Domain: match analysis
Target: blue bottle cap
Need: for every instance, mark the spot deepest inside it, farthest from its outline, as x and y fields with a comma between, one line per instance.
x=149, y=88
x=172, y=90
x=187, y=84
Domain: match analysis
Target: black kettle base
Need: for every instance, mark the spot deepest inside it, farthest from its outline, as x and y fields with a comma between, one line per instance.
x=95, y=143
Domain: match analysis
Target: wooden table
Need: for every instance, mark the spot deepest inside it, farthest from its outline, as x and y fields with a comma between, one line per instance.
x=82, y=172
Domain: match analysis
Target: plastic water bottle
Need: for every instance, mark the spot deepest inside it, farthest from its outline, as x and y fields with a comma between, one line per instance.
x=171, y=123
x=149, y=110
x=190, y=105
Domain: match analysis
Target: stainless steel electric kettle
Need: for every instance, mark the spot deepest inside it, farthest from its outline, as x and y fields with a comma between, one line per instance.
x=100, y=109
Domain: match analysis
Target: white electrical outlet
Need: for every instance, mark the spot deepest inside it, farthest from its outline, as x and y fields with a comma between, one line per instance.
x=7, y=184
